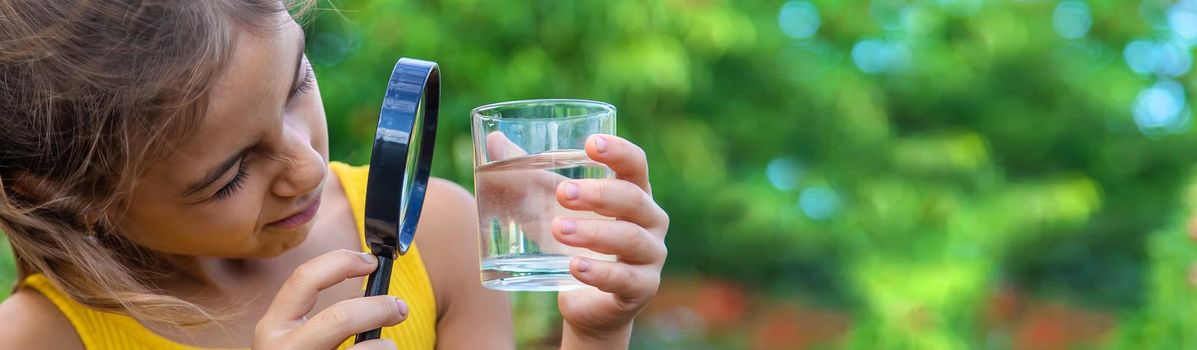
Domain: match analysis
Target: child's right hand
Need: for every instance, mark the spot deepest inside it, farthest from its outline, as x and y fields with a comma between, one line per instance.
x=284, y=326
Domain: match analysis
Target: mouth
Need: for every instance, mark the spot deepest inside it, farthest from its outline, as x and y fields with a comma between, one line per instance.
x=298, y=219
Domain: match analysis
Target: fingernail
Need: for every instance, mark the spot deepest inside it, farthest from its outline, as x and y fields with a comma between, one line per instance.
x=568, y=227
x=600, y=144
x=368, y=258
x=571, y=190
x=402, y=307
x=583, y=265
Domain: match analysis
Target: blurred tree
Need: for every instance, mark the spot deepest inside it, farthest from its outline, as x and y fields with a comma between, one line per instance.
x=895, y=158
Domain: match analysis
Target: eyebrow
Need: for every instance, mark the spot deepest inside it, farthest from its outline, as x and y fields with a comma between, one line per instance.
x=214, y=174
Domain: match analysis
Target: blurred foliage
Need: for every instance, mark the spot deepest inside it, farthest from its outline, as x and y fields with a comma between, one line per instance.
x=1167, y=318
x=897, y=160
x=8, y=268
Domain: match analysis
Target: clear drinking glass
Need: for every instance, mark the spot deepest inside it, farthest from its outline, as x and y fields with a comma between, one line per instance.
x=522, y=150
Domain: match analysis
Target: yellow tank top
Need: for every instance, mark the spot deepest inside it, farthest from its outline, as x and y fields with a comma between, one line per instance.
x=409, y=281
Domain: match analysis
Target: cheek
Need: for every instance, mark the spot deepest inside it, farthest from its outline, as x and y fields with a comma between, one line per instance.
x=221, y=228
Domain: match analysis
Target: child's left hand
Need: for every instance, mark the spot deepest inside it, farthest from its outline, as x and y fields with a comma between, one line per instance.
x=602, y=318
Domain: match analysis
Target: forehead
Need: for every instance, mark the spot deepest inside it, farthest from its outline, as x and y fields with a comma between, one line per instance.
x=259, y=64
x=244, y=98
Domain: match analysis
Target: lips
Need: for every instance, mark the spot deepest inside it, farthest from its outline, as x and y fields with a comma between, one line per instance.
x=298, y=219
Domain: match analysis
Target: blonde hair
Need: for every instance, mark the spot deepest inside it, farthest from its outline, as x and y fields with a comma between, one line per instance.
x=90, y=92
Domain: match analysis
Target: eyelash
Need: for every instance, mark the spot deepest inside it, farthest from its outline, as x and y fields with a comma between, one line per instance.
x=234, y=184
x=306, y=85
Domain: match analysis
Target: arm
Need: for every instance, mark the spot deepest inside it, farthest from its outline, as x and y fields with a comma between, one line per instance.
x=31, y=321
x=469, y=316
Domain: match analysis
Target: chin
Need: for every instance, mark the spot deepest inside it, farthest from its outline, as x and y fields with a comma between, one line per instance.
x=283, y=242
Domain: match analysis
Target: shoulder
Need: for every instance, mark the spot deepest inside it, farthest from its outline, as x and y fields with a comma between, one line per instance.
x=449, y=192
x=31, y=321
x=448, y=243
x=446, y=237
x=450, y=211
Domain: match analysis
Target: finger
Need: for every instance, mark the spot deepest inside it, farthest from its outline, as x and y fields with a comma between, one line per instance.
x=615, y=198
x=376, y=344
x=630, y=242
x=626, y=281
x=298, y=293
x=625, y=158
x=348, y=317
x=499, y=147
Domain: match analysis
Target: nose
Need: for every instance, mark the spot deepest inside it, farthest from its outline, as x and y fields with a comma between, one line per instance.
x=303, y=172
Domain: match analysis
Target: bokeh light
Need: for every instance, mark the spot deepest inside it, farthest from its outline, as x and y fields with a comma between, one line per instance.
x=1072, y=19
x=783, y=173
x=1182, y=18
x=799, y=19
x=1166, y=58
x=1161, y=108
x=878, y=56
x=819, y=202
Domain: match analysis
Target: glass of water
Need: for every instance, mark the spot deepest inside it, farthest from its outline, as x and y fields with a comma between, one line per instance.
x=522, y=150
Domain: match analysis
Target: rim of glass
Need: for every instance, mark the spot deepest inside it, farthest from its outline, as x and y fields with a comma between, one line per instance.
x=604, y=108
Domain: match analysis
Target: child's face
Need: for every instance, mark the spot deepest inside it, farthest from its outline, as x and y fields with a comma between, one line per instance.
x=247, y=180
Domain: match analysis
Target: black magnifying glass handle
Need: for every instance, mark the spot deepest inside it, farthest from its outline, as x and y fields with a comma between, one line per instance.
x=377, y=284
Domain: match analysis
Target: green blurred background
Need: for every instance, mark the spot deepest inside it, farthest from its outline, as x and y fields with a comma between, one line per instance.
x=846, y=174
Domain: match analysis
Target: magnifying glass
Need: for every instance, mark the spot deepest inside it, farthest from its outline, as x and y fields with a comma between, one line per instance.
x=399, y=165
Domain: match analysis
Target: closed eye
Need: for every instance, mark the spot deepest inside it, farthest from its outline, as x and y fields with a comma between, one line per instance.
x=304, y=86
x=234, y=184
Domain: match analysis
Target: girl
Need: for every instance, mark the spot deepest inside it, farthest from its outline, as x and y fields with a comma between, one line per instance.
x=164, y=184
